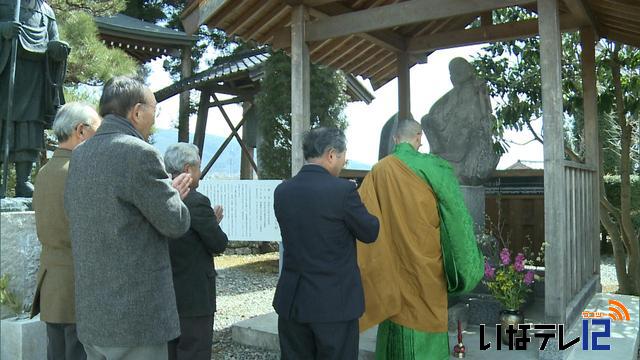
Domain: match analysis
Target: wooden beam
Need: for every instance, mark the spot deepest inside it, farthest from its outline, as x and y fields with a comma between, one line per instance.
x=590, y=96
x=310, y=3
x=247, y=162
x=404, y=13
x=183, y=111
x=485, y=34
x=226, y=89
x=300, y=87
x=234, y=100
x=273, y=17
x=221, y=149
x=201, y=122
x=580, y=9
x=234, y=132
x=404, y=86
x=486, y=19
x=336, y=48
x=384, y=38
x=373, y=62
x=256, y=13
x=363, y=54
x=619, y=36
x=355, y=49
x=591, y=137
x=618, y=6
x=557, y=294
x=201, y=14
x=316, y=47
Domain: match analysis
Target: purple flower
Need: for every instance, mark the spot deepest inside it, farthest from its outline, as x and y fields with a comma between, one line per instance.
x=505, y=256
x=489, y=272
x=528, y=278
x=519, y=262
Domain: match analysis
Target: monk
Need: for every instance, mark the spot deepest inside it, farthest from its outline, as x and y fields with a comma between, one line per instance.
x=425, y=250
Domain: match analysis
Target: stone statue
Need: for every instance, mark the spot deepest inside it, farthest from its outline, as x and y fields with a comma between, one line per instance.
x=40, y=68
x=458, y=126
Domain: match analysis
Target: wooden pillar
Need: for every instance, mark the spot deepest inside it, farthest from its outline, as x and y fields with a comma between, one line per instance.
x=201, y=123
x=591, y=136
x=556, y=276
x=587, y=40
x=183, y=114
x=300, y=90
x=404, y=87
x=246, y=170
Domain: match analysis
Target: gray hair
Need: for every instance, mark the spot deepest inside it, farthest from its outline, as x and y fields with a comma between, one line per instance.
x=69, y=117
x=121, y=94
x=320, y=140
x=178, y=155
x=407, y=130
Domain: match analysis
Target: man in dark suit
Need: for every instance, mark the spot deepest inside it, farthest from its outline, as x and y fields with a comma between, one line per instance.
x=319, y=296
x=194, y=276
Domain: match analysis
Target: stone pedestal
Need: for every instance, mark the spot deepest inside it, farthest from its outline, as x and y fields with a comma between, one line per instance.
x=15, y=204
x=23, y=339
x=20, y=251
x=474, y=198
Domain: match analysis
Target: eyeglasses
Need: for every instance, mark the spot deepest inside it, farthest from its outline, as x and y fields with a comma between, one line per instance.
x=156, y=109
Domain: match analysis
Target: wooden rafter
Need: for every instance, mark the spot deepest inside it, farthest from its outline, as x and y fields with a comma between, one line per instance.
x=389, y=16
x=582, y=12
x=500, y=32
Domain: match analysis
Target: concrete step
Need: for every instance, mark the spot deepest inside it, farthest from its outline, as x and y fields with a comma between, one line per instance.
x=262, y=332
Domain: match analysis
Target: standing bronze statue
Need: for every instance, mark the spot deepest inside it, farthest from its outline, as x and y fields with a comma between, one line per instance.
x=31, y=52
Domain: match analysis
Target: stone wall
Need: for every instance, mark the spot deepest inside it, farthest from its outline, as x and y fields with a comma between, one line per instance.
x=20, y=251
x=250, y=247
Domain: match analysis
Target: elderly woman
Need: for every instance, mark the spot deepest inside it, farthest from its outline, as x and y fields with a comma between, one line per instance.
x=54, y=298
x=192, y=261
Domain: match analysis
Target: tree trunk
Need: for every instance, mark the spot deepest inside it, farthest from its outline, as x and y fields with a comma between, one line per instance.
x=627, y=231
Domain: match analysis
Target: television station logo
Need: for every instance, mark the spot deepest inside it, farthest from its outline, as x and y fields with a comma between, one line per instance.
x=594, y=323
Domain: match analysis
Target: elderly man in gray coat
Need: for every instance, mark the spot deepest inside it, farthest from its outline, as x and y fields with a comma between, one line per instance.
x=123, y=209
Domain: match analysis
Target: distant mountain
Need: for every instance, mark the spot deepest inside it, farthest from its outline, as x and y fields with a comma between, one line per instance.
x=228, y=164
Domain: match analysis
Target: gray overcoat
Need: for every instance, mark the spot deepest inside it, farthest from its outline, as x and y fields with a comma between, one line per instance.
x=122, y=212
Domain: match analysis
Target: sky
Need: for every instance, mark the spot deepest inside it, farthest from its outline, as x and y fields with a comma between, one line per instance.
x=428, y=83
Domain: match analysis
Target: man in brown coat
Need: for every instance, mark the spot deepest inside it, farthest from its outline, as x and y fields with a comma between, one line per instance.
x=54, y=299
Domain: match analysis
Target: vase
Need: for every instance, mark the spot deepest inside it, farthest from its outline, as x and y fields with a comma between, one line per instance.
x=510, y=317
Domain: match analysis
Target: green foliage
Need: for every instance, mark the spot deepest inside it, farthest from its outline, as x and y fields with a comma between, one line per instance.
x=7, y=297
x=90, y=61
x=512, y=70
x=82, y=94
x=273, y=102
x=612, y=188
x=95, y=7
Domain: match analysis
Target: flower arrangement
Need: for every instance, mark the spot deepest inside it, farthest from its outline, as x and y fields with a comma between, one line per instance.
x=509, y=283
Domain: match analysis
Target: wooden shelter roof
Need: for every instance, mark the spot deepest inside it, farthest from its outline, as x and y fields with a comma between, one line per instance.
x=237, y=74
x=142, y=40
x=385, y=27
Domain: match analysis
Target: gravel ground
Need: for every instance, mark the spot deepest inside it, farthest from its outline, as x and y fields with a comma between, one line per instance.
x=245, y=288
x=608, y=276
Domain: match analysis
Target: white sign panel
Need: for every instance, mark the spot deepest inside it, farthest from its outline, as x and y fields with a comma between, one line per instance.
x=248, y=207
